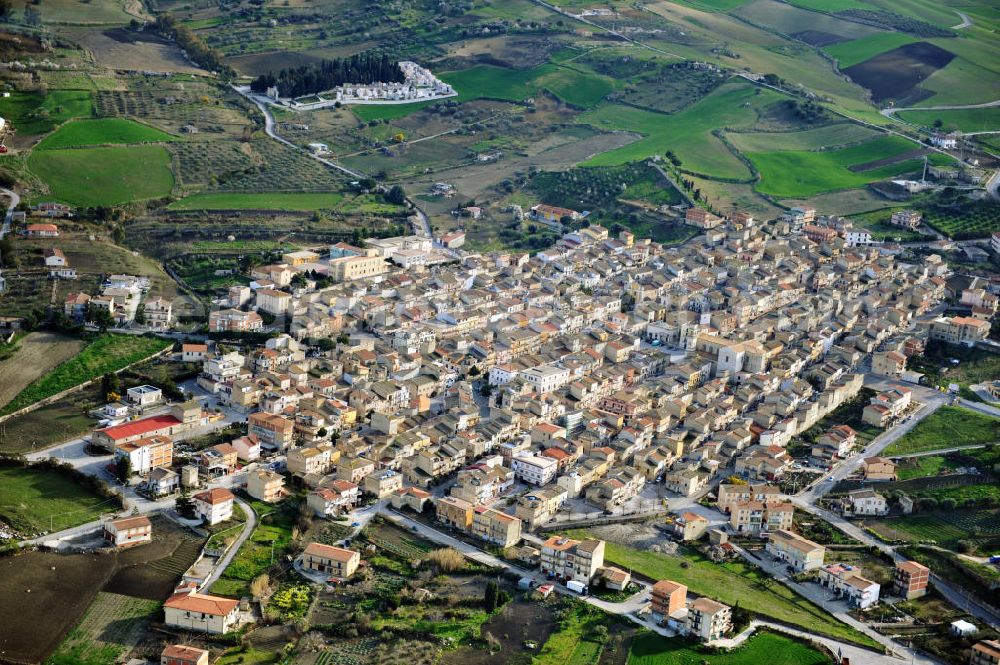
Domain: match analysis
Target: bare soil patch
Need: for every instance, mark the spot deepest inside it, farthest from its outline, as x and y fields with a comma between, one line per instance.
x=38, y=353
x=44, y=594
x=521, y=621
x=120, y=49
x=896, y=73
x=819, y=38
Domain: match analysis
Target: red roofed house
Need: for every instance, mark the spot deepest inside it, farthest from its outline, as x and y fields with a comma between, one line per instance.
x=42, y=231
x=177, y=654
x=335, y=498
x=335, y=561
x=129, y=531
x=200, y=612
x=453, y=240
x=214, y=505
x=161, y=425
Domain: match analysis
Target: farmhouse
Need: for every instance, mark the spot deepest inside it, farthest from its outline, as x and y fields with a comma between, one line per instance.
x=42, y=231
x=878, y=468
x=337, y=562
x=129, y=531
x=194, y=611
x=553, y=214
x=55, y=258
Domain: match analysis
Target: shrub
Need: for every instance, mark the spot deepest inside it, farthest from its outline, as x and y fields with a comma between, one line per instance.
x=446, y=559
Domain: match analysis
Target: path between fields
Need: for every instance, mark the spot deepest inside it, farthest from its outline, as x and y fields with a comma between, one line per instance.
x=966, y=21
x=889, y=112
x=227, y=558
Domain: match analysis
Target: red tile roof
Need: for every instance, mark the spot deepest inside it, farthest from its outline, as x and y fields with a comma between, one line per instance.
x=138, y=427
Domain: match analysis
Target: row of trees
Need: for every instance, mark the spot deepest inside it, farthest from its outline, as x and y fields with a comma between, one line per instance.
x=328, y=74
x=194, y=46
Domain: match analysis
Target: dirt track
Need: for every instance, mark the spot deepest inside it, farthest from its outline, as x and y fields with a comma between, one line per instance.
x=38, y=353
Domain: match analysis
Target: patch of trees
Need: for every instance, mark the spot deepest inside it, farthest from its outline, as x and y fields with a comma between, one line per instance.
x=894, y=21
x=805, y=110
x=328, y=74
x=194, y=46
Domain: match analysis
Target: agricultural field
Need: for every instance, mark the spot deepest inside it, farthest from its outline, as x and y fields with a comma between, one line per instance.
x=947, y=427
x=257, y=201
x=796, y=173
x=858, y=50
x=103, y=354
x=974, y=365
x=731, y=583
x=32, y=113
x=33, y=356
x=38, y=500
x=63, y=586
x=104, y=176
x=686, y=133
x=974, y=220
x=63, y=420
x=111, y=628
x=820, y=138
x=965, y=120
x=764, y=647
x=102, y=131
x=99, y=12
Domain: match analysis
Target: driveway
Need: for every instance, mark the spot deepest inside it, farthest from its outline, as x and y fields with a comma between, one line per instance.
x=227, y=558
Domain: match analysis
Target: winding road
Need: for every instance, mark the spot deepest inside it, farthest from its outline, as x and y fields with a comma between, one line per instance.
x=889, y=112
x=422, y=226
x=15, y=200
x=227, y=558
x=966, y=21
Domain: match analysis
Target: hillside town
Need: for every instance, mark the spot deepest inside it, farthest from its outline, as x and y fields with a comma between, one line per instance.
x=498, y=396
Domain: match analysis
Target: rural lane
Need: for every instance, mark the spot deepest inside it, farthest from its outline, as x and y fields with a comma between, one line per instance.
x=15, y=200
x=227, y=558
x=270, y=129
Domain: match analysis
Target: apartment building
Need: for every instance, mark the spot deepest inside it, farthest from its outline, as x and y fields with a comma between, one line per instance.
x=313, y=460
x=148, y=453
x=534, y=469
x=985, y=652
x=566, y=559
x=729, y=495
x=234, y=320
x=454, y=512
x=539, y=506
x=496, y=527
x=910, y=579
x=273, y=431
x=758, y=516
x=668, y=599
x=964, y=330
x=383, y=483
x=801, y=554
x=266, y=485
x=708, y=620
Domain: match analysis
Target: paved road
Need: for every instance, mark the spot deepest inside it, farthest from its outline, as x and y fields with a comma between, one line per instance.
x=824, y=484
x=15, y=199
x=940, y=451
x=227, y=558
x=889, y=112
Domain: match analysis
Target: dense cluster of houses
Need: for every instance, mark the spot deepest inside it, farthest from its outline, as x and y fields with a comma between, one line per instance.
x=584, y=372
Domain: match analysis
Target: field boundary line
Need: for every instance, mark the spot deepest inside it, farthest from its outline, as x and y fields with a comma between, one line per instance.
x=73, y=389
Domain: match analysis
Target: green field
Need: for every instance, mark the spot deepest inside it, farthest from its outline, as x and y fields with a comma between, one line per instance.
x=947, y=427
x=687, y=133
x=966, y=120
x=102, y=131
x=34, y=500
x=764, y=647
x=865, y=48
x=825, y=137
x=735, y=582
x=713, y=5
x=798, y=173
x=104, y=176
x=368, y=112
x=32, y=113
x=107, y=353
x=943, y=528
x=829, y=5
x=258, y=201
x=570, y=85
x=265, y=545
